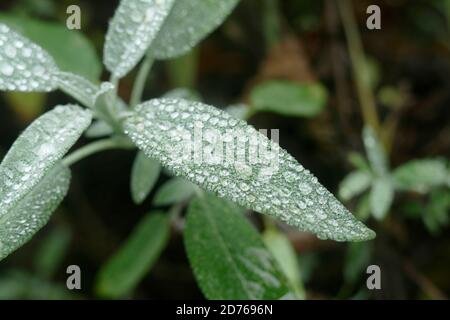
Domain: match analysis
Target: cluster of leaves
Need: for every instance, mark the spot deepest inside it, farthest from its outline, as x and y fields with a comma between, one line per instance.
x=377, y=184
x=228, y=256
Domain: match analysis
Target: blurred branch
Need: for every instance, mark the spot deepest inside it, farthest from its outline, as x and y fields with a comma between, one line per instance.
x=271, y=20
x=356, y=51
x=423, y=282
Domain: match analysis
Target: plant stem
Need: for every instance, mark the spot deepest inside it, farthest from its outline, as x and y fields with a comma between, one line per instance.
x=271, y=23
x=356, y=51
x=139, y=83
x=94, y=147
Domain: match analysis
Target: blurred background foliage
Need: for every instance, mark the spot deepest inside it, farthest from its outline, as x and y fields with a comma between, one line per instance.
x=311, y=69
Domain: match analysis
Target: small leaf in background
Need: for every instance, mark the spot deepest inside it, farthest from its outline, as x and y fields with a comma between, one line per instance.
x=381, y=197
x=31, y=212
x=144, y=174
x=183, y=93
x=357, y=260
x=375, y=151
x=420, y=175
x=354, y=183
x=273, y=182
x=78, y=87
x=37, y=150
x=436, y=213
x=123, y=272
x=24, y=66
x=99, y=129
x=283, y=252
x=52, y=251
x=187, y=24
x=239, y=111
x=26, y=105
x=70, y=49
x=363, y=210
x=289, y=98
x=358, y=161
x=173, y=191
x=131, y=31
x=371, y=75
x=227, y=254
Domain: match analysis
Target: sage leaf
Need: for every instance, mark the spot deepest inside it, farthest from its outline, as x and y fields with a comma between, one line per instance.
x=228, y=255
x=354, y=184
x=381, y=197
x=356, y=261
x=99, y=129
x=29, y=214
x=173, y=191
x=78, y=87
x=24, y=66
x=144, y=174
x=37, y=150
x=286, y=257
x=187, y=24
x=420, y=175
x=126, y=268
x=289, y=98
x=70, y=49
x=189, y=138
x=52, y=251
x=131, y=31
x=375, y=151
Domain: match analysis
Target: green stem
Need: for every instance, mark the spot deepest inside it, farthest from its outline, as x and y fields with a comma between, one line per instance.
x=139, y=83
x=356, y=51
x=94, y=147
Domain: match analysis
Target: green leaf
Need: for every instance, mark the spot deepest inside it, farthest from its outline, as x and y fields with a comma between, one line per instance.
x=239, y=111
x=375, y=151
x=70, y=49
x=285, y=255
x=188, y=23
x=183, y=93
x=24, y=66
x=228, y=255
x=357, y=260
x=123, y=272
x=289, y=98
x=436, y=213
x=144, y=174
x=354, y=183
x=420, y=175
x=37, y=150
x=189, y=138
x=78, y=87
x=99, y=129
x=173, y=191
x=31, y=212
x=358, y=161
x=131, y=31
x=381, y=197
x=52, y=251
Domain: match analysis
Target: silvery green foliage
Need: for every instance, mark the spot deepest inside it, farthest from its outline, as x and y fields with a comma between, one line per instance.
x=375, y=152
x=381, y=197
x=289, y=192
x=187, y=24
x=144, y=174
x=24, y=66
x=354, y=184
x=37, y=150
x=420, y=175
x=131, y=31
x=99, y=129
x=78, y=87
x=29, y=214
